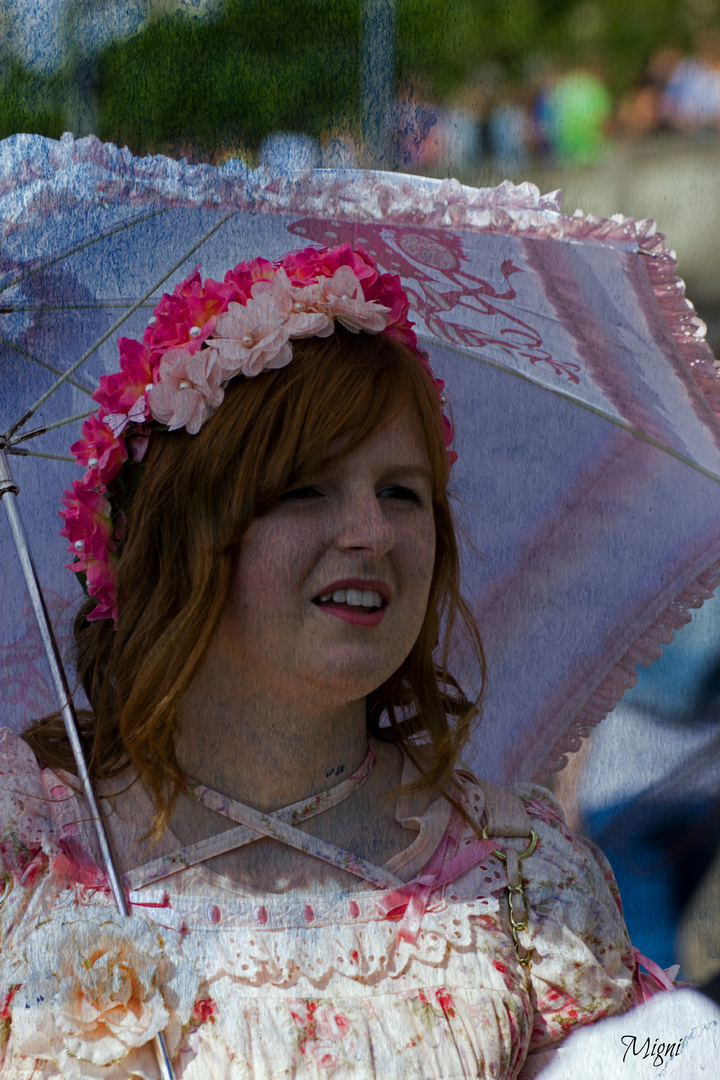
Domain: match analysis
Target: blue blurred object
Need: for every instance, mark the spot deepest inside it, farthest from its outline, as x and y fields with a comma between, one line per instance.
x=651, y=796
x=286, y=151
x=508, y=133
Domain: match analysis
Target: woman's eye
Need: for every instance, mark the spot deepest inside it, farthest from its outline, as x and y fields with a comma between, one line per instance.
x=396, y=491
x=306, y=492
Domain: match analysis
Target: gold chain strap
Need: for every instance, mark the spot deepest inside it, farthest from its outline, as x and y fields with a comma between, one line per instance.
x=518, y=889
x=7, y=887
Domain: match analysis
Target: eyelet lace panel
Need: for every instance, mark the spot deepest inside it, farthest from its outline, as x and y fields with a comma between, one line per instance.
x=368, y=951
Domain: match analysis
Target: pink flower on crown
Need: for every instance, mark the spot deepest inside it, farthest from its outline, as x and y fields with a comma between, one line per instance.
x=122, y=396
x=245, y=275
x=253, y=336
x=188, y=389
x=88, y=525
x=187, y=317
x=449, y=433
x=357, y=259
x=300, y=308
x=388, y=291
x=99, y=451
x=102, y=585
x=343, y=299
x=304, y=266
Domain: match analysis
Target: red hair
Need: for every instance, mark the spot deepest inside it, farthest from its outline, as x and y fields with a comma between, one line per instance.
x=196, y=497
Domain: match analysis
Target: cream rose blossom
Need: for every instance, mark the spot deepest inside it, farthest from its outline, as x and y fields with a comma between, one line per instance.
x=97, y=992
x=343, y=299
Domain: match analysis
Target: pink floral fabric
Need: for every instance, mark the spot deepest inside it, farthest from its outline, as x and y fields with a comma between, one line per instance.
x=305, y=984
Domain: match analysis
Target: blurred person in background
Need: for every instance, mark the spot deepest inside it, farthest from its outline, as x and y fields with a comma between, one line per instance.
x=340, y=150
x=509, y=130
x=417, y=128
x=575, y=116
x=691, y=101
x=289, y=151
x=640, y=111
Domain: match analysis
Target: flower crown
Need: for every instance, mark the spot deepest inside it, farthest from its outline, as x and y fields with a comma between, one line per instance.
x=197, y=339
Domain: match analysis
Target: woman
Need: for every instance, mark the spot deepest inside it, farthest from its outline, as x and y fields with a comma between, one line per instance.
x=267, y=591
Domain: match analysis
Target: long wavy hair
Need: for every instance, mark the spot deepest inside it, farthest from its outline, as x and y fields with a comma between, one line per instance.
x=185, y=521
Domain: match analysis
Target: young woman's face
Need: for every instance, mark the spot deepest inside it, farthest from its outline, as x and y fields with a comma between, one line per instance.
x=331, y=585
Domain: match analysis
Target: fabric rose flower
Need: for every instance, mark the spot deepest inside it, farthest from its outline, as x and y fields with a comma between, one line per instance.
x=357, y=259
x=388, y=291
x=253, y=337
x=245, y=275
x=331, y=1023
x=100, y=451
x=185, y=318
x=122, y=395
x=189, y=386
x=300, y=307
x=87, y=524
x=96, y=993
x=102, y=586
x=325, y=1034
x=344, y=300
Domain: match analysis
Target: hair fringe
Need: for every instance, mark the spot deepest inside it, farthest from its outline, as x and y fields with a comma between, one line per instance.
x=196, y=498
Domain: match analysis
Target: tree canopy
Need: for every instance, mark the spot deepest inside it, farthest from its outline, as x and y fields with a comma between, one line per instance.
x=295, y=65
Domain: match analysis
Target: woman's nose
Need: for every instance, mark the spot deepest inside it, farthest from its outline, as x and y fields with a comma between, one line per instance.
x=363, y=524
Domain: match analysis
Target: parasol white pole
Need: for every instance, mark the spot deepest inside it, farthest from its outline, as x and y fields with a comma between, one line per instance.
x=9, y=488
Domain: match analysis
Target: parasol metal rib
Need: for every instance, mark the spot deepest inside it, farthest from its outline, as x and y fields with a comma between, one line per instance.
x=97, y=305
x=20, y=451
x=115, y=326
x=8, y=488
x=79, y=384
x=49, y=427
x=81, y=247
x=603, y=413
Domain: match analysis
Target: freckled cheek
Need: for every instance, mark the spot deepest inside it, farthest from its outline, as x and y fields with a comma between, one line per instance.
x=272, y=572
x=419, y=562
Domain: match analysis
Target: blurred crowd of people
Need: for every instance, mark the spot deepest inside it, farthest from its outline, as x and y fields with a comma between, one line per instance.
x=567, y=117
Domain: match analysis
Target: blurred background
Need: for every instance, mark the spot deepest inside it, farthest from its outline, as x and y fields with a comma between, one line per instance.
x=616, y=103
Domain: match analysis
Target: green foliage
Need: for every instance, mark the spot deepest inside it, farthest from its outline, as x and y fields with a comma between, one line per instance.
x=446, y=41
x=263, y=66
x=29, y=103
x=295, y=65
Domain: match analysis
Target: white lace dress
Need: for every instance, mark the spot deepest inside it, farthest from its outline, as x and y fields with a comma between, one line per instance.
x=302, y=985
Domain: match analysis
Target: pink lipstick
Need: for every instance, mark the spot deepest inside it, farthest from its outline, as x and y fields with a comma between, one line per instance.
x=356, y=614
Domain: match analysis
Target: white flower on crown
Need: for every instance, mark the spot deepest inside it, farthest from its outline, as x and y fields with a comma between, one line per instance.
x=253, y=337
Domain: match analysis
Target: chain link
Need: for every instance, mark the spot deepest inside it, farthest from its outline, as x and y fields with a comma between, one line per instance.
x=524, y=955
x=7, y=887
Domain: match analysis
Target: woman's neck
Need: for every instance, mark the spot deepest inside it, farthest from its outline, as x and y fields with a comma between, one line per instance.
x=265, y=751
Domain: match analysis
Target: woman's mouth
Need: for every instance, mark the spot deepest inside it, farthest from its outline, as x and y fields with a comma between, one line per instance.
x=360, y=607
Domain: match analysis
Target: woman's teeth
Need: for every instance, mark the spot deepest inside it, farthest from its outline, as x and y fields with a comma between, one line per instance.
x=353, y=598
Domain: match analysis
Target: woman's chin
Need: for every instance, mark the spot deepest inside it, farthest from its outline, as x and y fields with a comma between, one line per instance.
x=348, y=679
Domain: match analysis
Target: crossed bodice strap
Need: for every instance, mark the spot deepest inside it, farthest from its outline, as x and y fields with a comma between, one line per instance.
x=503, y=812
x=280, y=825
